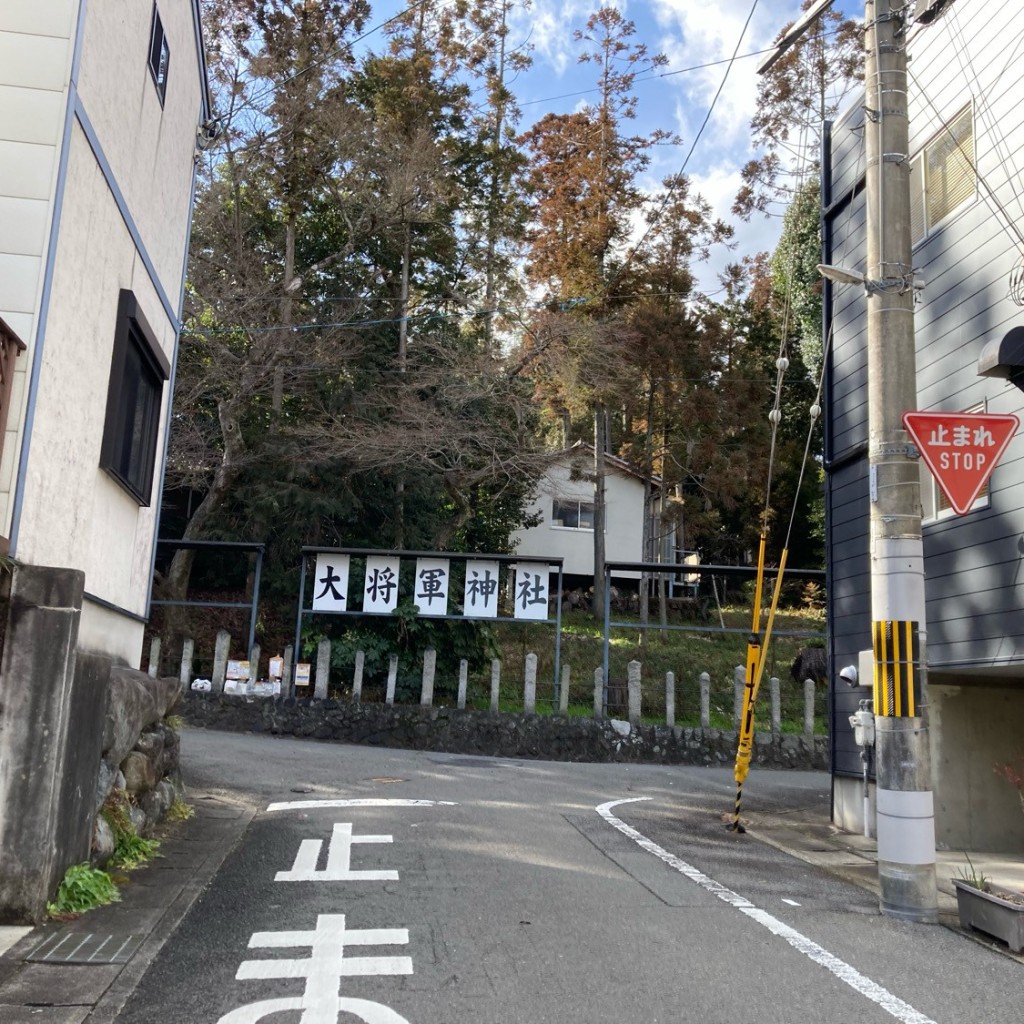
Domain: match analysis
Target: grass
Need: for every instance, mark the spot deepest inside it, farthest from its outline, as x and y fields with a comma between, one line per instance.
x=686, y=652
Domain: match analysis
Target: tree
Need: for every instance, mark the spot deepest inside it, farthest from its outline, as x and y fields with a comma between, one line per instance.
x=326, y=366
x=583, y=177
x=805, y=87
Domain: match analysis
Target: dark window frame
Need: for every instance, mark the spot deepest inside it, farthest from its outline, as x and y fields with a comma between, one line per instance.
x=159, y=55
x=138, y=371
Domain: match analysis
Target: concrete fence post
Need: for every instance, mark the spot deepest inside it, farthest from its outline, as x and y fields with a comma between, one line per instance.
x=389, y=697
x=154, y=657
x=188, y=649
x=705, y=700
x=809, y=707
x=670, y=698
x=287, y=690
x=463, y=683
x=739, y=681
x=775, y=691
x=598, y=693
x=495, y=683
x=530, y=684
x=633, y=670
x=563, y=693
x=220, y=660
x=427, y=689
x=323, y=669
x=357, y=677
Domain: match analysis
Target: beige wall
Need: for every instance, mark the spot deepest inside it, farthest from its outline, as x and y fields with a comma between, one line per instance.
x=149, y=150
x=72, y=513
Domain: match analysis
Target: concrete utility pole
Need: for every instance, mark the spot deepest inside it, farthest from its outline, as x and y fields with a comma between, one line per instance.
x=906, y=823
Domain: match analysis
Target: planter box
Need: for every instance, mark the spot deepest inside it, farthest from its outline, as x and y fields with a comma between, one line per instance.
x=998, y=912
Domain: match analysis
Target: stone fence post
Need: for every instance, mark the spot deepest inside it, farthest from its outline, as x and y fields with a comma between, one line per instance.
x=495, y=683
x=188, y=649
x=323, y=669
x=705, y=700
x=776, y=697
x=530, y=684
x=427, y=689
x=463, y=683
x=220, y=660
x=670, y=698
x=154, y=657
x=563, y=693
x=389, y=697
x=357, y=677
x=809, y=707
x=633, y=670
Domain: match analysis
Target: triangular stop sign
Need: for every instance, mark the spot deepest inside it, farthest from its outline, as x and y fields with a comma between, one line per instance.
x=961, y=449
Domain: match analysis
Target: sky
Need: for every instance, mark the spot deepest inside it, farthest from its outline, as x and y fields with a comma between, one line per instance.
x=688, y=33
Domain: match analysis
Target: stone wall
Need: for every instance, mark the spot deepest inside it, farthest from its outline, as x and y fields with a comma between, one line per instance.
x=139, y=756
x=448, y=730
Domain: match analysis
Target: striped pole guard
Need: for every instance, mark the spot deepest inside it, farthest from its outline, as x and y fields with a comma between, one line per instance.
x=897, y=677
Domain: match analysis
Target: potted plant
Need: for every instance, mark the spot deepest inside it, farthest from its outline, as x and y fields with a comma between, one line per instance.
x=988, y=907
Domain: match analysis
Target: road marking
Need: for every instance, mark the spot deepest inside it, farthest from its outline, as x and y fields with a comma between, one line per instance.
x=792, y=903
x=893, y=1005
x=339, y=859
x=312, y=805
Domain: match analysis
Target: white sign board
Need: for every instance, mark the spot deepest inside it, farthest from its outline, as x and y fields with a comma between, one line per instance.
x=481, y=593
x=330, y=590
x=431, y=593
x=380, y=585
x=530, y=597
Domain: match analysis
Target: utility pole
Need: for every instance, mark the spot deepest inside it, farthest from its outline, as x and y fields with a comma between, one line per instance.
x=906, y=821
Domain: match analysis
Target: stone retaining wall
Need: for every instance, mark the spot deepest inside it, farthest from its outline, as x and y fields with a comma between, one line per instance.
x=448, y=730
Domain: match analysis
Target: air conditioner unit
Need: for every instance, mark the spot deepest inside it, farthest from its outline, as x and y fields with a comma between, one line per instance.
x=926, y=11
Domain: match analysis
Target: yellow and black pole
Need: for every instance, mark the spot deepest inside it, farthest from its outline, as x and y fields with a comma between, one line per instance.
x=746, y=730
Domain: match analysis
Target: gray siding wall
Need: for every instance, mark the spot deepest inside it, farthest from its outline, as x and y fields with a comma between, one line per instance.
x=973, y=563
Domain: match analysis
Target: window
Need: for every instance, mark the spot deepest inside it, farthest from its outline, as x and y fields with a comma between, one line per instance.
x=137, y=374
x=572, y=514
x=935, y=505
x=942, y=176
x=159, y=55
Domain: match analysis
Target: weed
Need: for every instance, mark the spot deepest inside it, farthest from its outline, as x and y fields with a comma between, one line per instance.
x=130, y=849
x=82, y=888
x=972, y=876
x=174, y=722
x=180, y=811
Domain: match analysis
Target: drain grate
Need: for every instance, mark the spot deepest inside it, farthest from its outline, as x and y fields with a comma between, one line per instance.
x=68, y=947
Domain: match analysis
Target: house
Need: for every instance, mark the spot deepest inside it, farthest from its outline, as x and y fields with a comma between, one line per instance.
x=563, y=510
x=100, y=103
x=966, y=134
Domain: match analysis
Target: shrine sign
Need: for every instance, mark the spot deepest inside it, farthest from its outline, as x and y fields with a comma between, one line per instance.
x=961, y=449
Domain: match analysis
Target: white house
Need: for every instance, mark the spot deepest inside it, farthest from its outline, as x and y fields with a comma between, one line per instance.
x=102, y=103
x=564, y=508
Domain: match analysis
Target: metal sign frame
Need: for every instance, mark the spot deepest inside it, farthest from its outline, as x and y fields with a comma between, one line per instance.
x=223, y=545
x=665, y=569
x=554, y=563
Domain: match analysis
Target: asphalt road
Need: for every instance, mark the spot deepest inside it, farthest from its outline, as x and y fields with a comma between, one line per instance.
x=487, y=891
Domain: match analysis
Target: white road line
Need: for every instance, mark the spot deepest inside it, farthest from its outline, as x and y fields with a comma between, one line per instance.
x=843, y=971
x=312, y=805
x=792, y=903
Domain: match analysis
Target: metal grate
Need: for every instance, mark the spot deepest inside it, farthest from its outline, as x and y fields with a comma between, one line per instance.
x=70, y=947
